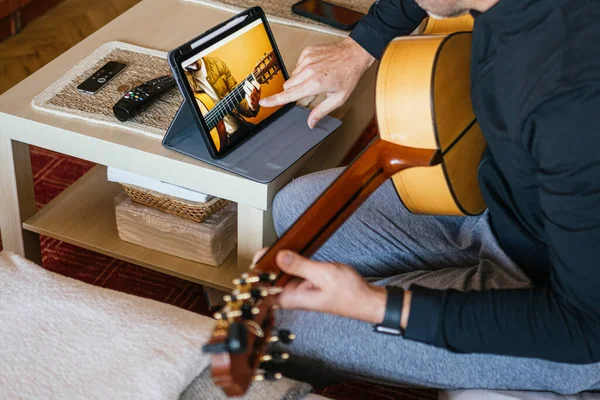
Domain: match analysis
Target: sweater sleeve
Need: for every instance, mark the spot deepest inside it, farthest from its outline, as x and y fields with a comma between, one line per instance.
x=561, y=321
x=386, y=20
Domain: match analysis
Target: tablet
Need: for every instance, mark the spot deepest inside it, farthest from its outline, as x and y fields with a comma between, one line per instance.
x=224, y=72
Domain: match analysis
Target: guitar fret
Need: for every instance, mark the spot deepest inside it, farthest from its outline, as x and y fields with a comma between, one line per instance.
x=227, y=103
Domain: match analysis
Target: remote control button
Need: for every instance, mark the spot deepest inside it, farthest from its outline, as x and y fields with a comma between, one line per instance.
x=102, y=80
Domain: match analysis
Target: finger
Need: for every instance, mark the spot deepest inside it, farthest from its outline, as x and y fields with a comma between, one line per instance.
x=307, y=50
x=293, y=284
x=306, y=101
x=296, y=265
x=287, y=96
x=248, y=87
x=324, y=108
x=315, y=55
x=257, y=256
x=301, y=66
x=298, y=295
x=256, y=85
x=299, y=78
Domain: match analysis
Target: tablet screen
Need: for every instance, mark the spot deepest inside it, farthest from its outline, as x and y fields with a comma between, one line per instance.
x=228, y=78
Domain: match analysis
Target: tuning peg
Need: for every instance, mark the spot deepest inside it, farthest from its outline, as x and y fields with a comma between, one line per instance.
x=227, y=314
x=219, y=347
x=258, y=293
x=268, y=376
x=263, y=277
x=236, y=343
x=285, y=336
x=248, y=311
x=236, y=297
x=245, y=279
x=276, y=357
x=267, y=277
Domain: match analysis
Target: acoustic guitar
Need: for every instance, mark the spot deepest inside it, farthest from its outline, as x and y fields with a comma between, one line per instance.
x=266, y=68
x=430, y=146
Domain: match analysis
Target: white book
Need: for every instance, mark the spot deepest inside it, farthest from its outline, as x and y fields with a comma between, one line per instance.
x=129, y=178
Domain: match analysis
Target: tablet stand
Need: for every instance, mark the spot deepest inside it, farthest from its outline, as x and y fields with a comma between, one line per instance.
x=261, y=158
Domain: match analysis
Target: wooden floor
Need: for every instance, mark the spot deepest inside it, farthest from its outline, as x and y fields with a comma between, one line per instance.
x=52, y=34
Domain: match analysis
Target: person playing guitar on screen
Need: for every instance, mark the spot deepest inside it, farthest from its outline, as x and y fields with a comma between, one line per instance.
x=506, y=300
x=211, y=76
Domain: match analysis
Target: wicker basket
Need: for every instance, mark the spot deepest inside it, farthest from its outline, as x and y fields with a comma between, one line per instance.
x=191, y=210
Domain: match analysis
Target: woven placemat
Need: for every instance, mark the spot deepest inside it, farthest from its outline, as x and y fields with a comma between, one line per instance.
x=63, y=98
x=280, y=11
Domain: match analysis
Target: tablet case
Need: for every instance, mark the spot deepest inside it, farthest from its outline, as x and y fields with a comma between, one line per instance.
x=264, y=156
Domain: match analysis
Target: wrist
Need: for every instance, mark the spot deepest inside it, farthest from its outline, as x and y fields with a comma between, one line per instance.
x=363, y=58
x=405, y=309
x=376, y=301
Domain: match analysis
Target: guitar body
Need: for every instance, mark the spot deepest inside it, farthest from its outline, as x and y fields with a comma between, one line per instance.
x=446, y=26
x=423, y=101
x=218, y=133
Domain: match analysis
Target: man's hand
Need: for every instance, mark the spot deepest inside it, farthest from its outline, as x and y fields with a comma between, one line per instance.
x=333, y=69
x=252, y=90
x=331, y=288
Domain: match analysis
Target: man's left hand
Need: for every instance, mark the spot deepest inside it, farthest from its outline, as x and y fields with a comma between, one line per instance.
x=331, y=288
x=252, y=90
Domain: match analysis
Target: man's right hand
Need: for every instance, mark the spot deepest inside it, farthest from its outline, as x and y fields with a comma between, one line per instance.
x=333, y=69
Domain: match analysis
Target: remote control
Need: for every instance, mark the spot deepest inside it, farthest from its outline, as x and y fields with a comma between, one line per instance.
x=101, y=77
x=142, y=96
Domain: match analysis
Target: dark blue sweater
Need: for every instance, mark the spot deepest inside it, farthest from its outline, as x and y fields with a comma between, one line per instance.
x=535, y=78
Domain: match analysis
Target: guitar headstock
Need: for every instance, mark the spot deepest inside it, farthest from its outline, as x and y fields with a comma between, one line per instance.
x=242, y=335
x=266, y=68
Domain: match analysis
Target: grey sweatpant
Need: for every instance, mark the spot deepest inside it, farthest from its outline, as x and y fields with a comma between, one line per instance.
x=390, y=246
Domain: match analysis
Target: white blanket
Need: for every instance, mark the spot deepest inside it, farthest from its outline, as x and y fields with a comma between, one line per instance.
x=64, y=339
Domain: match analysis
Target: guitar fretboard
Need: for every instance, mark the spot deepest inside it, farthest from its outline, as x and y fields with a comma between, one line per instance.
x=227, y=104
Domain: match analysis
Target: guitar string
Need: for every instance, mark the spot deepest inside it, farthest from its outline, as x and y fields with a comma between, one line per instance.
x=236, y=91
x=226, y=105
x=218, y=109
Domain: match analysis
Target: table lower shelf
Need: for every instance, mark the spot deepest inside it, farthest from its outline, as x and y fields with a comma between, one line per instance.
x=84, y=215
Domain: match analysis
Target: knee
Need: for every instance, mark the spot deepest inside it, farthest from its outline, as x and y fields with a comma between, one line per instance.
x=291, y=202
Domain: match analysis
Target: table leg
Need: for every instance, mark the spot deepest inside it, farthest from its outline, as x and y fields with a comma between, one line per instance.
x=214, y=298
x=17, y=200
x=255, y=231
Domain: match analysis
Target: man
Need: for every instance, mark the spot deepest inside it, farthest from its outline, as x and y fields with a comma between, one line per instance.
x=536, y=93
x=211, y=75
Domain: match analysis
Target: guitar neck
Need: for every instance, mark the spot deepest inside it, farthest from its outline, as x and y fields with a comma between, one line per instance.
x=377, y=164
x=227, y=104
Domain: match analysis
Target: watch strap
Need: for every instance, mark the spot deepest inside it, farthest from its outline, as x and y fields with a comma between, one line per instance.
x=393, y=312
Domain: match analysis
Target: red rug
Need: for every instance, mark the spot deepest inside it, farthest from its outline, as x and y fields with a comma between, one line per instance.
x=55, y=172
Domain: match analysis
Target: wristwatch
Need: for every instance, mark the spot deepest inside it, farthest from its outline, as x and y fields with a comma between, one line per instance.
x=393, y=312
